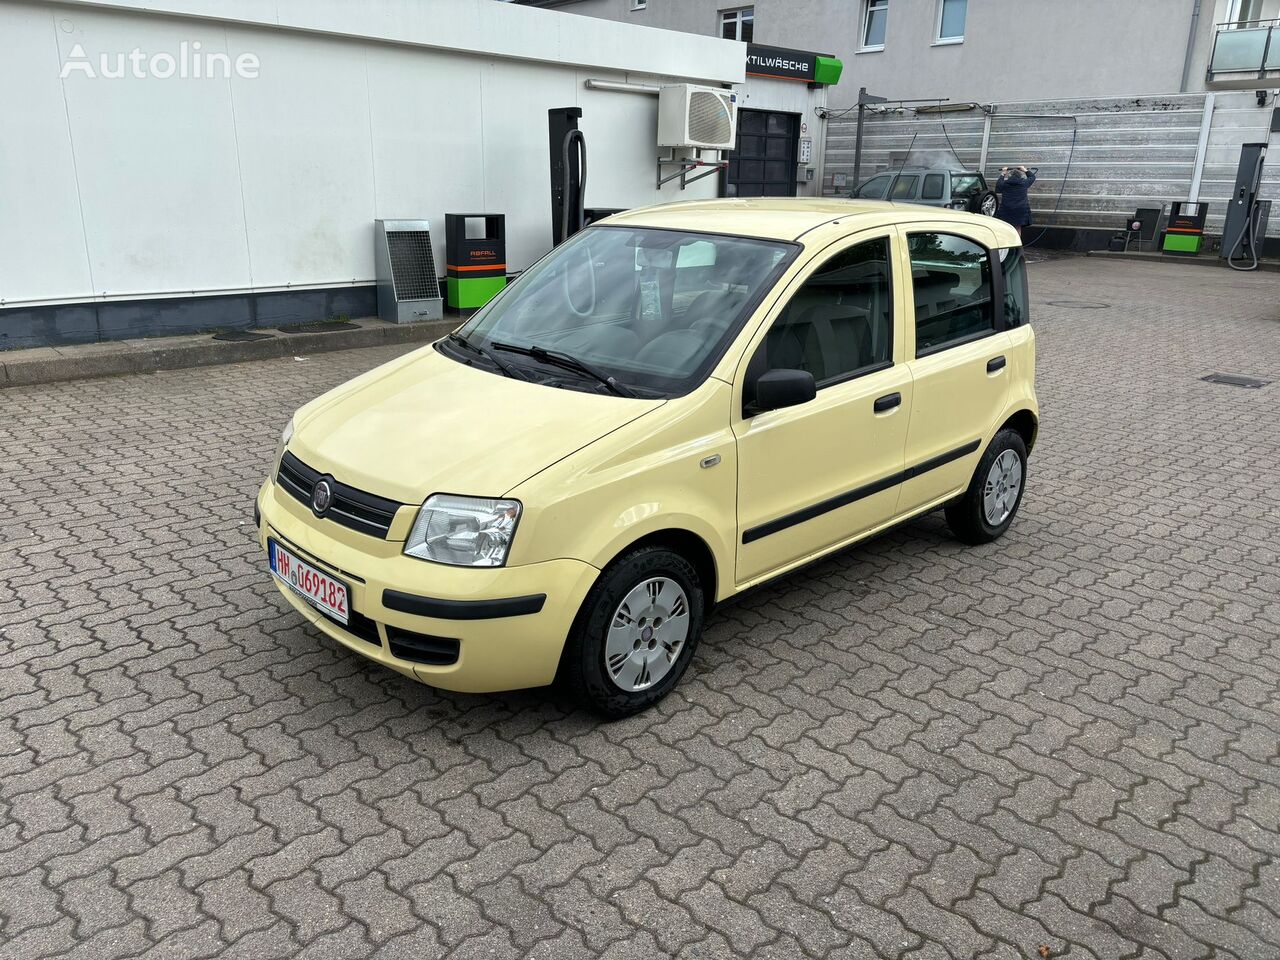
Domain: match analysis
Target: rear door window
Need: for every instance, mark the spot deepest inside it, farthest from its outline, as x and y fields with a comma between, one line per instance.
x=932, y=189
x=951, y=283
x=904, y=188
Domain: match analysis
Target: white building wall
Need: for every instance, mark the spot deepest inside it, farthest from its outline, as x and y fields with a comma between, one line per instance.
x=121, y=188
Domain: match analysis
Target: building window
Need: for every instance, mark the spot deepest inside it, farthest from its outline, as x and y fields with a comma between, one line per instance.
x=639, y=4
x=951, y=17
x=738, y=24
x=875, y=19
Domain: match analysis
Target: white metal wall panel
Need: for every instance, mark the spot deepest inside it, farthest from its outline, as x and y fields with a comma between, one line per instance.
x=156, y=162
x=42, y=249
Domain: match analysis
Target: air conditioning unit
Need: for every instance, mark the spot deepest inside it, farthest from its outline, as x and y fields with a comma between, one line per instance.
x=408, y=289
x=703, y=117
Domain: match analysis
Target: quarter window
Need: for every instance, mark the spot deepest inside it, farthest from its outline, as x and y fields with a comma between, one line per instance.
x=875, y=21
x=904, y=188
x=840, y=323
x=951, y=17
x=951, y=282
x=932, y=189
x=1016, y=303
x=738, y=24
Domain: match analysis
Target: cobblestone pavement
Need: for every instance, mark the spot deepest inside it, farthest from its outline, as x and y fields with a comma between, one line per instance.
x=1063, y=742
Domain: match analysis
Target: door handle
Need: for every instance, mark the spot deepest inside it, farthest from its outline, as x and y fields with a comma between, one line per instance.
x=887, y=402
x=995, y=363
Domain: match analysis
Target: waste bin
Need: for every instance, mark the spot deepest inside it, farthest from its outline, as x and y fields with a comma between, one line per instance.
x=476, y=265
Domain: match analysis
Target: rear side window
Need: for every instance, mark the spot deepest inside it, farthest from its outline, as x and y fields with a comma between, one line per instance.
x=951, y=282
x=1016, y=302
x=840, y=323
x=905, y=188
x=932, y=189
x=874, y=188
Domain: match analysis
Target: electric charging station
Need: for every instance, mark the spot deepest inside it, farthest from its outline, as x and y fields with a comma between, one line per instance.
x=1245, y=228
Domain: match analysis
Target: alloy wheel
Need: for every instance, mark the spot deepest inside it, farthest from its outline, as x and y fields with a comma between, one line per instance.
x=646, y=634
x=1000, y=492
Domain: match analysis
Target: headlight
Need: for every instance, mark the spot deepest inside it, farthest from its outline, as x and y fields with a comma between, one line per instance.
x=285, y=436
x=463, y=531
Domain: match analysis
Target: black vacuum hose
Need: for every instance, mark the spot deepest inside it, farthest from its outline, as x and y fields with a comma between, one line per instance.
x=571, y=138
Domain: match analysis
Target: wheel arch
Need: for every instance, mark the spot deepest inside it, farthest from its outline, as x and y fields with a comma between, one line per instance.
x=1026, y=424
x=690, y=546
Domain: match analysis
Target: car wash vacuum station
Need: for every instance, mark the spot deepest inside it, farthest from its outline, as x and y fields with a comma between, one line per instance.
x=1246, y=225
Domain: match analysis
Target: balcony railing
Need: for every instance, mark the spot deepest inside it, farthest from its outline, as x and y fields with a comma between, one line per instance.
x=1245, y=48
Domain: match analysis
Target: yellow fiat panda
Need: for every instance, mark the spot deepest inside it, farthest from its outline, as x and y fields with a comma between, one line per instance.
x=677, y=404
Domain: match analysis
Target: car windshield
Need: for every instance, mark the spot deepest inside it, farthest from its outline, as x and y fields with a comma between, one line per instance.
x=652, y=309
x=965, y=184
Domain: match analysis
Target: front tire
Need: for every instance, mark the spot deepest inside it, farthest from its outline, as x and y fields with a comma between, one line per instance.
x=636, y=633
x=991, y=502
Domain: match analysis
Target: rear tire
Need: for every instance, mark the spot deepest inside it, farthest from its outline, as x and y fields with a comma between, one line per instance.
x=635, y=634
x=988, y=507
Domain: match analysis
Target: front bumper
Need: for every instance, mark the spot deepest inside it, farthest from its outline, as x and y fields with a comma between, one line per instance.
x=509, y=623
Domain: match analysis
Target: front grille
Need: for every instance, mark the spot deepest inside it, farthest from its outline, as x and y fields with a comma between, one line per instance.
x=351, y=508
x=421, y=647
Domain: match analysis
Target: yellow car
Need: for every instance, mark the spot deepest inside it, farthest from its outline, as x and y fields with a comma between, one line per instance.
x=675, y=405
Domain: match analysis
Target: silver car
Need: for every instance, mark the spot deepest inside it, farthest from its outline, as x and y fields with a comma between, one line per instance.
x=933, y=187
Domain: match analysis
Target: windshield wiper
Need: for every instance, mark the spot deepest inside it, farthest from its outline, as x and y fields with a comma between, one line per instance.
x=504, y=368
x=565, y=361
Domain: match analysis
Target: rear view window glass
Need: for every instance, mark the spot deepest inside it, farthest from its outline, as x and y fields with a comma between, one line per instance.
x=932, y=187
x=905, y=188
x=965, y=184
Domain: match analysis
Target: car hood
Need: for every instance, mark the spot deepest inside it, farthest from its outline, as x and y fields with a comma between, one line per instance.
x=428, y=424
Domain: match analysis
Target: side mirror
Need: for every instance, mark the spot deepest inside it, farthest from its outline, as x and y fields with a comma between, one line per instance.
x=776, y=389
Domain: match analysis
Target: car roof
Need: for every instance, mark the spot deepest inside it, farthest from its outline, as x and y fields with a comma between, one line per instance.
x=789, y=218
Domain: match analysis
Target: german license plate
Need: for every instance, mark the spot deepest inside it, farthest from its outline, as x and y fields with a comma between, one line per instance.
x=314, y=586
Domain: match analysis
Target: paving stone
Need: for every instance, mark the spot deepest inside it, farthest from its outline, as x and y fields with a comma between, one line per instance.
x=911, y=749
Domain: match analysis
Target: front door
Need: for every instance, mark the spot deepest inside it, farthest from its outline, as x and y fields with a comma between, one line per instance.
x=763, y=164
x=821, y=473
x=959, y=367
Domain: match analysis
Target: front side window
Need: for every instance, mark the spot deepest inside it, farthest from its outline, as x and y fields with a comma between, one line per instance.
x=932, y=189
x=654, y=309
x=1016, y=301
x=904, y=188
x=951, y=282
x=840, y=323
x=738, y=24
x=874, y=189
x=951, y=17
x=875, y=22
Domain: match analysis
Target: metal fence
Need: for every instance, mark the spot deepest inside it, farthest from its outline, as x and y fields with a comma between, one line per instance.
x=1098, y=159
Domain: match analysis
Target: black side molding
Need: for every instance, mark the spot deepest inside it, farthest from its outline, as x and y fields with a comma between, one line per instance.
x=995, y=363
x=858, y=493
x=462, y=609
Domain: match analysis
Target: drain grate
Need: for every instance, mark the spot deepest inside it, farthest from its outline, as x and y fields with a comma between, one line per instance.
x=1080, y=304
x=326, y=326
x=1235, y=380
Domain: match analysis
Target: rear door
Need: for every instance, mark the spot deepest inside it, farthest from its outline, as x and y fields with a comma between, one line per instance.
x=959, y=358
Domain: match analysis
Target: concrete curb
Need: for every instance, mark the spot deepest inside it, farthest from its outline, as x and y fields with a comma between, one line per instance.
x=1264, y=266
x=20, y=368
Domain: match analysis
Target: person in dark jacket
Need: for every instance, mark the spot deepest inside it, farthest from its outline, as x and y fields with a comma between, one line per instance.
x=1012, y=186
